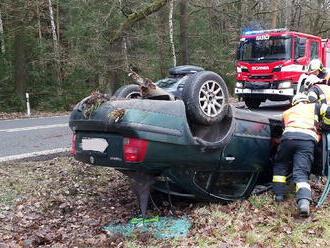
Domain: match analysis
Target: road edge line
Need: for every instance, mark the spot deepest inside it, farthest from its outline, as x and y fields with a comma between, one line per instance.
x=34, y=154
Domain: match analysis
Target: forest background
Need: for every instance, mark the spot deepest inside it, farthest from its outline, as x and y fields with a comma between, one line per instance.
x=61, y=50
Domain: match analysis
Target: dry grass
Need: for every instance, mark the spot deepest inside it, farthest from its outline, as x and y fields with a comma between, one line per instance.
x=65, y=203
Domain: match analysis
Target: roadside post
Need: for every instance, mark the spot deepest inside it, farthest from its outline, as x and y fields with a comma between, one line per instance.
x=28, y=104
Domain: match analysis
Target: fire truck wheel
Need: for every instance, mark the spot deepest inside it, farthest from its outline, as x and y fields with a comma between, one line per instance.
x=206, y=96
x=252, y=103
x=128, y=91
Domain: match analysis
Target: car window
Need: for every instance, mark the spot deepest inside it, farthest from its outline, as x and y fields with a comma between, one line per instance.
x=314, y=50
x=299, y=47
x=224, y=183
x=166, y=82
x=252, y=128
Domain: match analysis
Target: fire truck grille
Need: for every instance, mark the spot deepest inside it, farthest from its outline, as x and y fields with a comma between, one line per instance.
x=262, y=77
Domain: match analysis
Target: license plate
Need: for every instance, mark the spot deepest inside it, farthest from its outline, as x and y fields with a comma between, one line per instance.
x=247, y=91
x=94, y=144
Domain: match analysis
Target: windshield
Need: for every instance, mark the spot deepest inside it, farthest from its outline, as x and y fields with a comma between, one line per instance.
x=166, y=82
x=267, y=47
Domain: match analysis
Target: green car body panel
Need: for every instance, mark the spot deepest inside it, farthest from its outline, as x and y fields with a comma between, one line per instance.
x=222, y=162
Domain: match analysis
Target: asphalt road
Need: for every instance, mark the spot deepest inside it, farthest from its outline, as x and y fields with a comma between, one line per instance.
x=28, y=139
x=35, y=137
x=268, y=108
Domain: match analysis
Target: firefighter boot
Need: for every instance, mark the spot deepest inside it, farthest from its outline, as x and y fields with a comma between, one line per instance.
x=279, y=190
x=303, y=207
x=279, y=198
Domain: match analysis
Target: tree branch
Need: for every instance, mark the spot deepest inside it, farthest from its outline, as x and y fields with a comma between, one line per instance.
x=200, y=5
x=138, y=16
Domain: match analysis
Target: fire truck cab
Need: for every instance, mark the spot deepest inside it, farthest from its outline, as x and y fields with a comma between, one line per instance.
x=270, y=62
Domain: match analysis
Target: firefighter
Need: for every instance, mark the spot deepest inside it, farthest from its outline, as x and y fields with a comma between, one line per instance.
x=316, y=91
x=296, y=150
x=315, y=67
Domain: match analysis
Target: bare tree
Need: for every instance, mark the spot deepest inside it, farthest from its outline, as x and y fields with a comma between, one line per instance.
x=58, y=19
x=274, y=14
x=170, y=22
x=56, y=48
x=52, y=22
x=2, y=39
x=38, y=20
x=183, y=32
x=161, y=31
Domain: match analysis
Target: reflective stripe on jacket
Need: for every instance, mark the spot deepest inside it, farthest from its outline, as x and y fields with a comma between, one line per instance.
x=301, y=118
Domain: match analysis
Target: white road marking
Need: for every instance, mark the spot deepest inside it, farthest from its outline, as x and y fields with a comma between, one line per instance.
x=10, y=130
x=34, y=118
x=34, y=154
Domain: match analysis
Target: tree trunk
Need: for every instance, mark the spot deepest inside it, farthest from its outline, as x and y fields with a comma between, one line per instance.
x=170, y=22
x=125, y=53
x=19, y=57
x=239, y=15
x=58, y=20
x=274, y=15
x=114, y=65
x=56, y=49
x=52, y=22
x=114, y=81
x=161, y=40
x=39, y=23
x=183, y=32
x=2, y=39
x=210, y=49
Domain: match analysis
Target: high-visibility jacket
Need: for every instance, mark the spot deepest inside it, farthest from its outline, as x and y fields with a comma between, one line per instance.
x=319, y=93
x=302, y=118
x=325, y=74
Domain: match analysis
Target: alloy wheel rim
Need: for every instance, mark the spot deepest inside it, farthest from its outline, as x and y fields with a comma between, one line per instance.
x=211, y=98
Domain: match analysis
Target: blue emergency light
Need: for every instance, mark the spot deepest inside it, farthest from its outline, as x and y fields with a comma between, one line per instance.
x=251, y=32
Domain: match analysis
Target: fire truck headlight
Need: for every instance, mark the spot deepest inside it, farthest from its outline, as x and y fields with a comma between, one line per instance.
x=285, y=85
x=239, y=85
x=277, y=68
x=244, y=68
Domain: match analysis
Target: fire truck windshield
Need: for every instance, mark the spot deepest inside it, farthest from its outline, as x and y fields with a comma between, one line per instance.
x=265, y=48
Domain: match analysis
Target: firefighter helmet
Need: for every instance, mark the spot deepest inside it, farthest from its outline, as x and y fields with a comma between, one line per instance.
x=311, y=80
x=315, y=65
x=299, y=98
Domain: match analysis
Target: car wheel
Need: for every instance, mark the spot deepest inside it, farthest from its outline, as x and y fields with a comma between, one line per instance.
x=252, y=103
x=206, y=96
x=128, y=91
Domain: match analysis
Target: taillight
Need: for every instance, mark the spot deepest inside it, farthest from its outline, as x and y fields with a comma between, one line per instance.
x=73, y=143
x=134, y=149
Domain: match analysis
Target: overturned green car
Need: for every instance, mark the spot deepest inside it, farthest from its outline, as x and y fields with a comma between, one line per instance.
x=158, y=144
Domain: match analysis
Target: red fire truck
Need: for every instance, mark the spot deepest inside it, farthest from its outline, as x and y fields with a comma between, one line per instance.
x=270, y=62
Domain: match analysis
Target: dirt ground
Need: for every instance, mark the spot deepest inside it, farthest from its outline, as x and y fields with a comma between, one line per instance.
x=65, y=203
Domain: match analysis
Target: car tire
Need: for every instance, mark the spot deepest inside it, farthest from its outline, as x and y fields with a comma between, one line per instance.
x=128, y=91
x=252, y=103
x=206, y=97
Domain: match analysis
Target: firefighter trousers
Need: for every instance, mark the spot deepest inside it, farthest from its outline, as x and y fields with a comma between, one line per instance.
x=297, y=155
